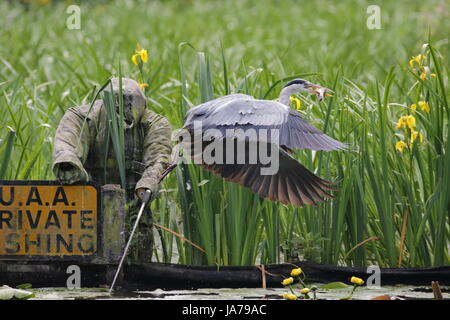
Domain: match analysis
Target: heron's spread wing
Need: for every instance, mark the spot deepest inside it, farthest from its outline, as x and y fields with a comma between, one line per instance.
x=292, y=184
x=237, y=109
x=299, y=134
x=283, y=126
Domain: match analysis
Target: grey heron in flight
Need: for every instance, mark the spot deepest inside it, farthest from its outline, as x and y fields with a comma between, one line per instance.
x=292, y=183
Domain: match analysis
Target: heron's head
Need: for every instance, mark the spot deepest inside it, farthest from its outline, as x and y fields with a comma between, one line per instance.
x=301, y=85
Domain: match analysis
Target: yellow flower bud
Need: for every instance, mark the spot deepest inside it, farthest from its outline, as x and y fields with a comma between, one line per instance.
x=357, y=281
x=287, y=281
x=289, y=296
x=304, y=291
x=296, y=272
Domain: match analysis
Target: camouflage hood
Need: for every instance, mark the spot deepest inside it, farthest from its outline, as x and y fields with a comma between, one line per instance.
x=134, y=101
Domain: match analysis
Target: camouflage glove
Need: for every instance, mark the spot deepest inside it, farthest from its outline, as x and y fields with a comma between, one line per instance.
x=68, y=173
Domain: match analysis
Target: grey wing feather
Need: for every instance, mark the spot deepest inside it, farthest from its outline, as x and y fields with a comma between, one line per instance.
x=292, y=184
x=297, y=133
x=204, y=110
x=284, y=126
x=237, y=109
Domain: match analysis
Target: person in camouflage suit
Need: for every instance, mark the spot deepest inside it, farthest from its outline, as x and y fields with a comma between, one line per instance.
x=80, y=153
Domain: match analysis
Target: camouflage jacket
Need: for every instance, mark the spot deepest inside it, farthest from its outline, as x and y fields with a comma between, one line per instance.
x=82, y=141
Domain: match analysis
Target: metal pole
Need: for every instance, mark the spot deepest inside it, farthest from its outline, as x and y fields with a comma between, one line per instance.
x=145, y=199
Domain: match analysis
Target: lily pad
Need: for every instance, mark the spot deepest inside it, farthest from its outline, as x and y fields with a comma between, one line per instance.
x=334, y=285
x=8, y=293
x=24, y=286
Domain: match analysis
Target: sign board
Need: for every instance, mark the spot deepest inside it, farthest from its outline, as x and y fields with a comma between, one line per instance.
x=47, y=219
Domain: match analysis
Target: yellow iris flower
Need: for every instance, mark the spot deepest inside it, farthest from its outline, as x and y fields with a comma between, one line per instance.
x=406, y=121
x=400, y=146
x=401, y=123
x=142, y=53
x=417, y=63
x=415, y=135
x=417, y=60
x=413, y=107
x=424, y=106
x=411, y=122
x=143, y=85
x=296, y=101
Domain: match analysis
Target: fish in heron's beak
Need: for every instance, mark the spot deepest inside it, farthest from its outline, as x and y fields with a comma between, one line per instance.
x=320, y=91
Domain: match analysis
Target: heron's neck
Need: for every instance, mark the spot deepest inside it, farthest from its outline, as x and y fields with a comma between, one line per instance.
x=285, y=94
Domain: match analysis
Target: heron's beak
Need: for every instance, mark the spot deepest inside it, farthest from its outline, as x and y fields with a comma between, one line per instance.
x=320, y=91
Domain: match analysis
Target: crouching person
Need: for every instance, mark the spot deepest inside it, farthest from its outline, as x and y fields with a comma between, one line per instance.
x=83, y=151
